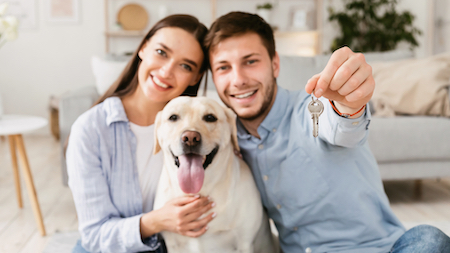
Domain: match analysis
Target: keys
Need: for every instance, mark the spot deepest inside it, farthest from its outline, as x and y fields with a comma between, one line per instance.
x=315, y=107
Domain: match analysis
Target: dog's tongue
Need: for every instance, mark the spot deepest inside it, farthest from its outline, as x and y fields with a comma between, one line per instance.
x=191, y=173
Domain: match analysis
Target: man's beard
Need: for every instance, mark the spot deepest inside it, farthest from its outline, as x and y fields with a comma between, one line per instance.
x=265, y=105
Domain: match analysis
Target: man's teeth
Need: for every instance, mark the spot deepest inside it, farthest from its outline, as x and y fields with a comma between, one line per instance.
x=159, y=83
x=245, y=95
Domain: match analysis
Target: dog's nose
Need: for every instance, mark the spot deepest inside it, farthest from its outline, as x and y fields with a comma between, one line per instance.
x=191, y=138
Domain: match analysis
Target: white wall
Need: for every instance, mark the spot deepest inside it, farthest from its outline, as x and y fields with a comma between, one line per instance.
x=53, y=59
x=50, y=60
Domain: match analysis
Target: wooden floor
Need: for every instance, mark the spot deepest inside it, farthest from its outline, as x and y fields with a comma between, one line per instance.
x=18, y=230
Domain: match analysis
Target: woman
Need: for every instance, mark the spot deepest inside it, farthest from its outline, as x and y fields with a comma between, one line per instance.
x=113, y=173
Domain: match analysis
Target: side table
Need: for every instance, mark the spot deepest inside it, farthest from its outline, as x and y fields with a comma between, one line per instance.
x=14, y=126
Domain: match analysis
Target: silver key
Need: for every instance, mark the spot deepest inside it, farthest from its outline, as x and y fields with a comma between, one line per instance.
x=315, y=107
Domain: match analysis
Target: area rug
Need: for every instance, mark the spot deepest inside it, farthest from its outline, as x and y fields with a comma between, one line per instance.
x=62, y=242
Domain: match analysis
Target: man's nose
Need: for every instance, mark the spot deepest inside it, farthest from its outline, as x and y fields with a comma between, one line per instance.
x=239, y=77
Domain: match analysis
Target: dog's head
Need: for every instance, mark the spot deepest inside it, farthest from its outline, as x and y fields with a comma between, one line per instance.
x=192, y=131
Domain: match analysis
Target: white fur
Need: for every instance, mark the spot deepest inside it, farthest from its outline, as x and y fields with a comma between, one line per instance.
x=241, y=224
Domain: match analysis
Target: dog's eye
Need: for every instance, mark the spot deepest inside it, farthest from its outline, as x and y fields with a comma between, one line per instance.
x=174, y=117
x=209, y=118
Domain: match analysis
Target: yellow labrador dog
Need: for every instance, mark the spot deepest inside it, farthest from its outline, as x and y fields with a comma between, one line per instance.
x=198, y=138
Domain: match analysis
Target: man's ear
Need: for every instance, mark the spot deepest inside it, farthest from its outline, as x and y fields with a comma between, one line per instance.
x=276, y=65
x=231, y=119
x=157, y=147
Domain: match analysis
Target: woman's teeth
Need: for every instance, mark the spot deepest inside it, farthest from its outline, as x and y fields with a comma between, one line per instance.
x=245, y=95
x=159, y=83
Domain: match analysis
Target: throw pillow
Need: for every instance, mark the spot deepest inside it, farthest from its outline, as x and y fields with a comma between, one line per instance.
x=412, y=86
x=106, y=72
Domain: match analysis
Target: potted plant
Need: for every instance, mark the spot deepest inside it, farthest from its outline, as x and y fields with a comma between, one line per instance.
x=373, y=26
x=8, y=25
x=8, y=31
x=264, y=11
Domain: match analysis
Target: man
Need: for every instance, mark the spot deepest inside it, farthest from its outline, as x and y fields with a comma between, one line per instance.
x=324, y=194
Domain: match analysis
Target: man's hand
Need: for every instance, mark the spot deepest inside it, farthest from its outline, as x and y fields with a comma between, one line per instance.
x=347, y=80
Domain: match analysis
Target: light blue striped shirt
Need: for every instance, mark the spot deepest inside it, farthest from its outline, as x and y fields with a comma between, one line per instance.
x=323, y=193
x=103, y=177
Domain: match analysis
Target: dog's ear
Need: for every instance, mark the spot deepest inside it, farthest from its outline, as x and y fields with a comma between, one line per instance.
x=231, y=118
x=157, y=147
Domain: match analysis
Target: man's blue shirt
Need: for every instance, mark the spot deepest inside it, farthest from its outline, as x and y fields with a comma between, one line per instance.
x=323, y=193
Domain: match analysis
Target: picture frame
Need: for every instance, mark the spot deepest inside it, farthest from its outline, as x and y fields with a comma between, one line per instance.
x=25, y=11
x=303, y=17
x=62, y=11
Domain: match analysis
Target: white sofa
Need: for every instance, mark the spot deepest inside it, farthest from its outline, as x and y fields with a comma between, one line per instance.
x=406, y=147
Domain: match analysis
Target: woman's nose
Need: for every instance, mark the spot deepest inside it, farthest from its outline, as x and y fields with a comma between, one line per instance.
x=166, y=70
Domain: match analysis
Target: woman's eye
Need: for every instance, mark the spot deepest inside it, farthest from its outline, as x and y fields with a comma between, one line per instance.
x=161, y=52
x=173, y=118
x=209, y=118
x=187, y=67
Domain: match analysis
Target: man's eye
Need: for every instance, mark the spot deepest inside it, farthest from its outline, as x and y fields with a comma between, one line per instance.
x=222, y=68
x=251, y=61
x=174, y=118
x=161, y=52
x=209, y=118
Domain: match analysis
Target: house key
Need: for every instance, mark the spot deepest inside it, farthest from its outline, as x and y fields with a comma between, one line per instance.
x=315, y=107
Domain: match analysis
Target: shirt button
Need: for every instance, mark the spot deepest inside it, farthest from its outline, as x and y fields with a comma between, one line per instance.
x=308, y=250
x=278, y=206
x=265, y=177
x=295, y=228
x=355, y=123
x=274, y=130
x=260, y=146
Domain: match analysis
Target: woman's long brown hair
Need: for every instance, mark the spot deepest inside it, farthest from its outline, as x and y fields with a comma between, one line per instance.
x=127, y=82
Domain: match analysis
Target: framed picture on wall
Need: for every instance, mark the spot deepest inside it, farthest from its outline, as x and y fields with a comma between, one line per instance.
x=303, y=17
x=62, y=11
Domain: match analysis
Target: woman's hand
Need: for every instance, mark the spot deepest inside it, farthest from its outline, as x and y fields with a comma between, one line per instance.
x=180, y=215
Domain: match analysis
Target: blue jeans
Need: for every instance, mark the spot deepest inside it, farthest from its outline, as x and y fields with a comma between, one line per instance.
x=79, y=249
x=422, y=239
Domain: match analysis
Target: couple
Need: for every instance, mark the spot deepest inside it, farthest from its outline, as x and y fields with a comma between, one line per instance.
x=324, y=194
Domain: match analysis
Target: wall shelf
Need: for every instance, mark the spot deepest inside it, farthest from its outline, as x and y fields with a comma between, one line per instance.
x=302, y=43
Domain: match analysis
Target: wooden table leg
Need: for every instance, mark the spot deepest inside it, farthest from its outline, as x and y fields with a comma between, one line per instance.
x=12, y=147
x=29, y=183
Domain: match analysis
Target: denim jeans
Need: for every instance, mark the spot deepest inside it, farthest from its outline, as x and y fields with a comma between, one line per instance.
x=79, y=249
x=422, y=239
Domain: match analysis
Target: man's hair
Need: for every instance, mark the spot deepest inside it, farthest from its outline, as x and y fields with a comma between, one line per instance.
x=239, y=23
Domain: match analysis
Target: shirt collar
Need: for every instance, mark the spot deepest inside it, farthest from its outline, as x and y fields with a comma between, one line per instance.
x=273, y=118
x=114, y=110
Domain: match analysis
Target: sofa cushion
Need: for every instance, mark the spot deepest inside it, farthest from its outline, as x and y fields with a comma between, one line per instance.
x=413, y=86
x=411, y=139
x=295, y=71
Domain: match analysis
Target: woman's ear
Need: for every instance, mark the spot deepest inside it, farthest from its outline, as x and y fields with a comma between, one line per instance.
x=141, y=52
x=197, y=79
